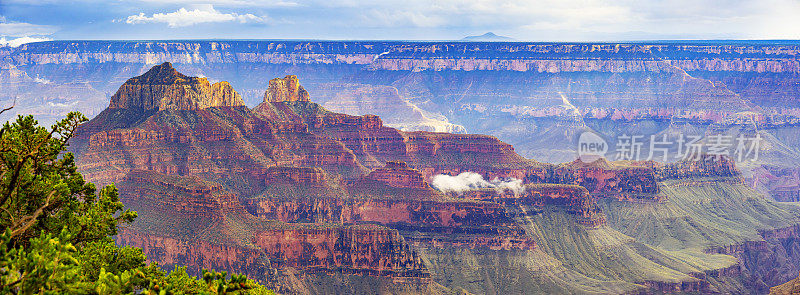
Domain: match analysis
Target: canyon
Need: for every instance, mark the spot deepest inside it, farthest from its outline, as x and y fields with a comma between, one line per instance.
x=515, y=91
x=310, y=187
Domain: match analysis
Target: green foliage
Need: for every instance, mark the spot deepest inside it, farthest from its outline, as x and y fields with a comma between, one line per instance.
x=58, y=230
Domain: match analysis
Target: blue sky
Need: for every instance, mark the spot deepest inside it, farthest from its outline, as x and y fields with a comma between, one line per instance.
x=532, y=20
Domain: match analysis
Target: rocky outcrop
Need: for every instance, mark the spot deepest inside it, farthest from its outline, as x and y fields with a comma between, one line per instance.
x=163, y=88
x=576, y=199
x=287, y=89
x=210, y=142
x=374, y=144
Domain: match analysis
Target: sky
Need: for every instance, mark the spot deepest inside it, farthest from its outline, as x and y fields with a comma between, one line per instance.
x=533, y=20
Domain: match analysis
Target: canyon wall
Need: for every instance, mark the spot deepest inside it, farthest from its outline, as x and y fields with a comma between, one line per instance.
x=305, y=188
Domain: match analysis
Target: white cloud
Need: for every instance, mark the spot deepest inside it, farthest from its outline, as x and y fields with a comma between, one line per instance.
x=200, y=14
x=471, y=180
x=534, y=20
x=16, y=42
x=229, y=3
x=20, y=29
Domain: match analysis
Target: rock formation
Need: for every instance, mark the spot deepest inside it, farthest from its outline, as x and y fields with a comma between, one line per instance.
x=163, y=88
x=287, y=89
x=188, y=221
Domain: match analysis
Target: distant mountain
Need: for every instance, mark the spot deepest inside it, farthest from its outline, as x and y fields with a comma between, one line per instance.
x=488, y=37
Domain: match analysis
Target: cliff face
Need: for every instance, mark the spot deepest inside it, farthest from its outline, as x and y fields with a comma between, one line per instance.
x=575, y=199
x=374, y=144
x=188, y=221
x=365, y=250
x=198, y=140
x=190, y=196
x=452, y=223
x=287, y=89
x=704, y=166
x=630, y=183
x=163, y=88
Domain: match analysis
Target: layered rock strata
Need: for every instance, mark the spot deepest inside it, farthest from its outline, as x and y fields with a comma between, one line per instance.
x=188, y=221
x=398, y=174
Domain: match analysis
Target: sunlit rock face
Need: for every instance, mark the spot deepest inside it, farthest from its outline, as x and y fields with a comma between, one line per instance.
x=287, y=89
x=163, y=88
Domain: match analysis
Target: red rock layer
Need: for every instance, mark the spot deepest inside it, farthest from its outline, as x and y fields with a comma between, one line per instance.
x=576, y=199
x=398, y=174
x=196, y=254
x=184, y=220
x=459, y=221
x=187, y=195
x=366, y=250
x=374, y=144
x=213, y=143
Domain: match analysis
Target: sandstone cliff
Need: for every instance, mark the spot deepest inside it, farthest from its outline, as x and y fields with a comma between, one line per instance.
x=163, y=88
x=287, y=89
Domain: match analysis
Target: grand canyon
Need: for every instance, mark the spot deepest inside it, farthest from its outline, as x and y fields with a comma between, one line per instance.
x=327, y=167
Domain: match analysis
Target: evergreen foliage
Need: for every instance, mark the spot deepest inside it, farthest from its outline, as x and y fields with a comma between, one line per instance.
x=57, y=229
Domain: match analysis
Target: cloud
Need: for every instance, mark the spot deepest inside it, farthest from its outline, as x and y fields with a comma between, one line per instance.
x=16, y=42
x=200, y=14
x=531, y=20
x=471, y=180
x=230, y=3
x=20, y=29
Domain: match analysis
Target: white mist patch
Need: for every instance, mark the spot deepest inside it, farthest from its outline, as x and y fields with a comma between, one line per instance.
x=471, y=180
